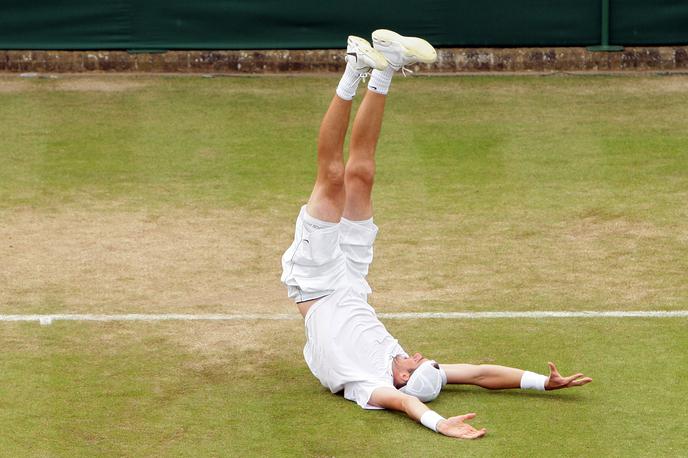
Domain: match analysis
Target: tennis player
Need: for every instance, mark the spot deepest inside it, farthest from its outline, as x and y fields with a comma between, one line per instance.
x=325, y=267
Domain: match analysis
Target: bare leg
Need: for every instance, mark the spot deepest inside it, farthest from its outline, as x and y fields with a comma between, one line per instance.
x=327, y=199
x=360, y=169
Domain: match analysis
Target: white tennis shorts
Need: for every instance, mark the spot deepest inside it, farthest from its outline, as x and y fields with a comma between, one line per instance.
x=327, y=256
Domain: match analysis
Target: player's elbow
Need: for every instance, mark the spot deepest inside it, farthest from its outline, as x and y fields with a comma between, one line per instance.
x=482, y=373
x=488, y=376
x=408, y=403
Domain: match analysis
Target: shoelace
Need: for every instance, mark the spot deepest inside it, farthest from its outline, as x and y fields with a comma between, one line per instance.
x=363, y=76
x=404, y=70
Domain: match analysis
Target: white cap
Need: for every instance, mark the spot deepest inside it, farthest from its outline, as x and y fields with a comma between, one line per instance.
x=426, y=382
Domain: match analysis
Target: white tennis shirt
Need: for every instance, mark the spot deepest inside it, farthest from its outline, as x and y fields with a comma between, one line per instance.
x=348, y=348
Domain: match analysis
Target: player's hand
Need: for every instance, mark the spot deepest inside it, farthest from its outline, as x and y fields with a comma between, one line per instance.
x=455, y=427
x=557, y=382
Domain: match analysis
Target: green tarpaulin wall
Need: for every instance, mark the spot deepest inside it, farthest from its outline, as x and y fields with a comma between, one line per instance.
x=271, y=24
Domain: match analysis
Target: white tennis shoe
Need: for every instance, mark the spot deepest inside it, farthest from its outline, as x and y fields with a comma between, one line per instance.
x=401, y=51
x=362, y=56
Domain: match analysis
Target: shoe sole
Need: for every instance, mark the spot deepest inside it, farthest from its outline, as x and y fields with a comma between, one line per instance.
x=414, y=46
x=365, y=48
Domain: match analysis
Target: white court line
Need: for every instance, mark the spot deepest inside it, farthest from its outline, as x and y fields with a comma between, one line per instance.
x=49, y=318
x=540, y=314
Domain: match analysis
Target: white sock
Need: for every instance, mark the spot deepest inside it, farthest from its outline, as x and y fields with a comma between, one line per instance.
x=381, y=80
x=349, y=83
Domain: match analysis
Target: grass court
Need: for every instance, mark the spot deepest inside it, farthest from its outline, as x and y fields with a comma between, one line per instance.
x=161, y=194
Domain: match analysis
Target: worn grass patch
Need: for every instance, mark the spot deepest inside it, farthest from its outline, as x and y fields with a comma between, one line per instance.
x=109, y=261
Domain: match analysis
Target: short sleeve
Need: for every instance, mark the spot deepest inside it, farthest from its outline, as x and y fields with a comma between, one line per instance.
x=360, y=392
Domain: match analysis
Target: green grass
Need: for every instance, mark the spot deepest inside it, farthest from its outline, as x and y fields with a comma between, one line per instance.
x=164, y=194
x=180, y=141
x=132, y=389
x=551, y=145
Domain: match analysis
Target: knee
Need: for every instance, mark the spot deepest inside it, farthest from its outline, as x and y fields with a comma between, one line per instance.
x=362, y=171
x=333, y=175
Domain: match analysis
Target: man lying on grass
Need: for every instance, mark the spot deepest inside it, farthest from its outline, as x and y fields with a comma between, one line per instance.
x=326, y=266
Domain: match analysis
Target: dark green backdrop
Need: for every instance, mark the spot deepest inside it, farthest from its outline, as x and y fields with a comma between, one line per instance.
x=270, y=24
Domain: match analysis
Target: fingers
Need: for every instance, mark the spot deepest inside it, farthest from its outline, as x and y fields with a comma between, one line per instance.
x=581, y=382
x=467, y=432
x=468, y=416
x=462, y=430
x=571, y=378
x=552, y=368
x=475, y=434
x=575, y=380
x=461, y=418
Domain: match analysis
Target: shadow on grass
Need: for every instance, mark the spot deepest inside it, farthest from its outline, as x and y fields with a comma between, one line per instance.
x=479, y=392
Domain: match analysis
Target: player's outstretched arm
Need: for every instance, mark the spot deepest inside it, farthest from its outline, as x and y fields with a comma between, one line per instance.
x=495, y=377
x=392, y=399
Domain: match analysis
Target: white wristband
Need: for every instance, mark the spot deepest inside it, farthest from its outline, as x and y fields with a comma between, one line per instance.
x=533, y=381
x=430, y=419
